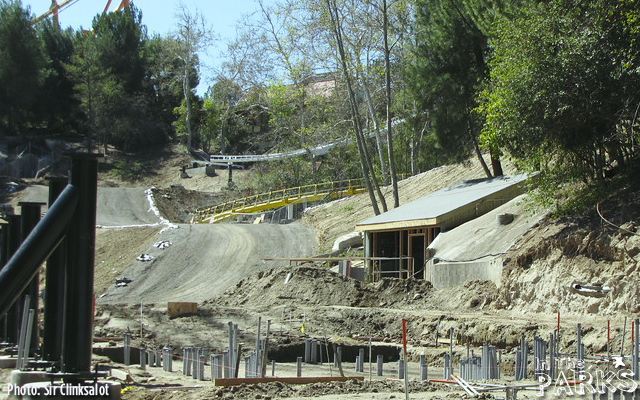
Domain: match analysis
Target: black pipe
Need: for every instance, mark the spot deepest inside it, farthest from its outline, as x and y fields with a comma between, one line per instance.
x=81, y=241
x=54, y=293
x=3, y=261
x=13, y=244
x=30, y=212
x=24, y=264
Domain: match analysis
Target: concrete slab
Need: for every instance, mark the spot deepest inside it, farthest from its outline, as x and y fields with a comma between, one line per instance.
x=474, y=250
x=8, y=362
x=484, y=235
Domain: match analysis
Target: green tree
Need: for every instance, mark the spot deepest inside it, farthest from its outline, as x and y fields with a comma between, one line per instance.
x=96, y=88
x=57, y=104
x=114, y=72
x=563, y=93
x=450, y=67
x=223, y=97
x=192, y=36
x=22, y=62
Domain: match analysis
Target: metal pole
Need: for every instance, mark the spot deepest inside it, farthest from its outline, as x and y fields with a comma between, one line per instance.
x=299, y=367
x=143, y=359
x=167, y=361
x=12, y=243
x=22, y=341
x=636, y=341
x=127, y=348
x=3, y=260
x=79, y=300
x=580, y=358
x=30, y=212
x=265, y=352
x=380, y=361
x=54, y=293
x=370, y=361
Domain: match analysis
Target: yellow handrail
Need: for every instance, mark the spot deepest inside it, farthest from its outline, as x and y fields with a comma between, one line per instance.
x=288, y=195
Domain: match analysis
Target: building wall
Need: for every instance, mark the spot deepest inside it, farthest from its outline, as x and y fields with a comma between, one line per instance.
x=447, y=274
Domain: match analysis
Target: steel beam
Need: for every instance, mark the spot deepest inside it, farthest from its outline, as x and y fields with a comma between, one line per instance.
x=23, y=265
x=81, y=242
x=31, y=212
x=54, y=293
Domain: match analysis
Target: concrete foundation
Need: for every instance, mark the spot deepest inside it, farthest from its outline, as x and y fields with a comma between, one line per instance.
x=8, y=362
x=448, y=274
x=20, y=379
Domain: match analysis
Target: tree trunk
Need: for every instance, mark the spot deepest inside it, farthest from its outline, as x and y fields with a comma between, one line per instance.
x=187, y=99
x=387, y=68
x=479, y=154
x=353, y=105
x=376, y=126
x=496, y=165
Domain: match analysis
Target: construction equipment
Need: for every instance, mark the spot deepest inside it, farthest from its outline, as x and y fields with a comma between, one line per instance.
x=57, y=8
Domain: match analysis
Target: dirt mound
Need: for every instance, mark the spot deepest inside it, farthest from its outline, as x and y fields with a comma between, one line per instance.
x=314, y=286
x=586, y=250
x=178, y=204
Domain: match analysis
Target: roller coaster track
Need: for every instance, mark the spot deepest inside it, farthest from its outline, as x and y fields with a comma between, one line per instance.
x=316, y=151
x=278, y=198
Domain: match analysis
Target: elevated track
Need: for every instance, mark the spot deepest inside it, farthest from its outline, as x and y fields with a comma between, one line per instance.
x=278, y=198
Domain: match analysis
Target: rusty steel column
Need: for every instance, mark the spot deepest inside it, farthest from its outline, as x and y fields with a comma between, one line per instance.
x=81, y=238
x=31, y=213
x=54, y=293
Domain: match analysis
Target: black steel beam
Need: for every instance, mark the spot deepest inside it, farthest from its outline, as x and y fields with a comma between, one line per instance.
x=16, y=275
x=31, y=212
x=14, y=237
x=81, y=241
x=3, y=260
x=54, y=292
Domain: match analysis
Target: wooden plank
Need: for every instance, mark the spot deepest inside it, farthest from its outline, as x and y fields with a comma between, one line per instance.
x=176, y=309
x=289, y=379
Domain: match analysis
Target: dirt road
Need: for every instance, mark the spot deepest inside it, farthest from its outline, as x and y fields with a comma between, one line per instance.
x=204, y=260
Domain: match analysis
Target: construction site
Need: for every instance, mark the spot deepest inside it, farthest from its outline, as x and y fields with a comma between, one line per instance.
x=463, y=291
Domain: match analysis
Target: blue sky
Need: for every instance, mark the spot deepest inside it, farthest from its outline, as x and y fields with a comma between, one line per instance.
x=159, y=17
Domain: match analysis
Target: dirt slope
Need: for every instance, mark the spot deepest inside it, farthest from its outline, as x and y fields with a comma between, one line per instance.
x=205, y=260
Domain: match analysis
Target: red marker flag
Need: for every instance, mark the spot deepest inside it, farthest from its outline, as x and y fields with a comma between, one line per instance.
x=404, y=335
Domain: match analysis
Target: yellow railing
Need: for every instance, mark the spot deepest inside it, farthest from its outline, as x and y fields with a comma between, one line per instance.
x=279, y=198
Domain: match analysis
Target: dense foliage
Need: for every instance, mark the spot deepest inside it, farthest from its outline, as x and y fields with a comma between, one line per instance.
x=564, y=92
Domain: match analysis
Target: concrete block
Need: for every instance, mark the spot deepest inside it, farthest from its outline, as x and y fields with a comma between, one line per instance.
x=8, y=362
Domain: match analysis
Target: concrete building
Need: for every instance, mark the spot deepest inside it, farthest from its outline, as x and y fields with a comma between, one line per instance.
x=406, y=232
x=476, y=249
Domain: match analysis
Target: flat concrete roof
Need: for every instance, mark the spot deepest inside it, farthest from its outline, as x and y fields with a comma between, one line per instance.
x=428, y=209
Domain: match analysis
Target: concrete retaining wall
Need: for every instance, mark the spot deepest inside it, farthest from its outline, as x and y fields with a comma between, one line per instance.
x=447, y=274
